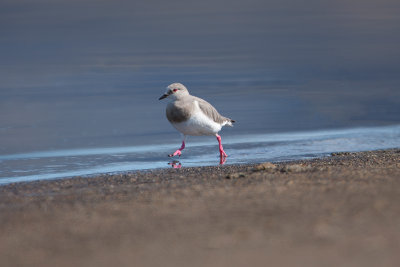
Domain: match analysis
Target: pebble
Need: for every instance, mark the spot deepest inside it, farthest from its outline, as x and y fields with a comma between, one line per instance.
x=266, y=166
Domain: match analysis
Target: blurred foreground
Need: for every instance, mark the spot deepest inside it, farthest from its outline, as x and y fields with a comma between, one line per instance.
x=337, y=211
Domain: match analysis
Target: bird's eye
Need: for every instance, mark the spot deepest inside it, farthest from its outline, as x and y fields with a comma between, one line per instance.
x=175, y=90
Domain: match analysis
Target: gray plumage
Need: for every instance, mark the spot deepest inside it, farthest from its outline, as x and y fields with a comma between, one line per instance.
x=180, y=110
x=192, y=115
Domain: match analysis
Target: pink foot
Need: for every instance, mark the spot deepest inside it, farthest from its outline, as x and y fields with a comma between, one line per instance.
x=178, y=152
x=222, y=160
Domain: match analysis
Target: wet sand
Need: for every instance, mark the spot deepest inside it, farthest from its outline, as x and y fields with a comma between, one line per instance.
x=342, y=210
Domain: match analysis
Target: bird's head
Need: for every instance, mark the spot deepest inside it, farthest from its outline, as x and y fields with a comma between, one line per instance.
x=175, y=91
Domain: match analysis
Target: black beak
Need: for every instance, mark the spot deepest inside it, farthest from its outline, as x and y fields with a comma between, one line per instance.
x=163, y=96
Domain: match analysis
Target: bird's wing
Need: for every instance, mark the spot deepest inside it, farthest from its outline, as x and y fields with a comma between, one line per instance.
x=210, y=111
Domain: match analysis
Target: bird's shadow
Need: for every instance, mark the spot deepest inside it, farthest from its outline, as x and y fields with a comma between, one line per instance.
x=176, y=164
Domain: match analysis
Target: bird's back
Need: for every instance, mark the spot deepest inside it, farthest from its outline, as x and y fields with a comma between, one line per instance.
x=211, y=112
x=182, y=109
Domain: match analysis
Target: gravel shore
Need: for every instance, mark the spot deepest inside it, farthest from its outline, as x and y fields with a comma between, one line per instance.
x=342, y=210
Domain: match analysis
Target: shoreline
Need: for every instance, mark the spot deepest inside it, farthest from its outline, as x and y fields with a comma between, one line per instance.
x=244, y=148
x=338, y=210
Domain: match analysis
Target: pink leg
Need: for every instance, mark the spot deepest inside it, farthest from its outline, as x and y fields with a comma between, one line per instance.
x=221, y=149
x=178, y=152
x=222, y=160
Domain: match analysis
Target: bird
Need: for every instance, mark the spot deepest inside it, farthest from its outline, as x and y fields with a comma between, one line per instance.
x=194, y=116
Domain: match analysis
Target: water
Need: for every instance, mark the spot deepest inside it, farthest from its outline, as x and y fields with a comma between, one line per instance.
x=84, y=75
x=242, y=149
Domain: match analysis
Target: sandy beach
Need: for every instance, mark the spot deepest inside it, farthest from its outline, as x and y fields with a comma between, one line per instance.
x=342, y=210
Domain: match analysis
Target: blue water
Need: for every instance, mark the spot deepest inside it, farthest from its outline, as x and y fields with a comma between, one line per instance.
x=241, y=149
x=80, y=80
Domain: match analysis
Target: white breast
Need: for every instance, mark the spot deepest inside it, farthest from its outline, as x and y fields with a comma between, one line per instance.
x=198, y=124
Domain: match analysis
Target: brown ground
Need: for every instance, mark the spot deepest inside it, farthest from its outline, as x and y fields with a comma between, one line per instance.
x=338, y=211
